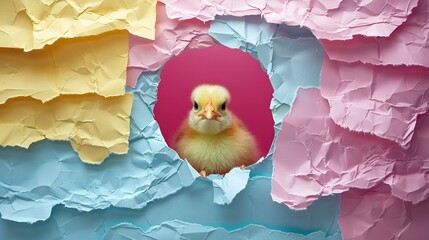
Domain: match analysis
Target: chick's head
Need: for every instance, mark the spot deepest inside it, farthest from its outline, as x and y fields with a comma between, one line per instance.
x=209, y=114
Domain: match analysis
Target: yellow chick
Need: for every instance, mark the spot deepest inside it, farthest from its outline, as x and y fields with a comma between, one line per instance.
x=212, y=138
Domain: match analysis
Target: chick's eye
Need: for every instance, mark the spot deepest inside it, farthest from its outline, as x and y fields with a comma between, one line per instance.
x=223, y=107
x=195, y=105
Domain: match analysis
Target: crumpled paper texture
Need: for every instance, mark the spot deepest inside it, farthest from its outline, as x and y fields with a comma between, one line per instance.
x=172, y=37
x=95, y=64
x=322, y=158
x=315, y=157
x=192, y=204
x=380, y=100
x=382, y=216
x=96, y=126
x=334, y=20
x=183, y=230
x=33, y=24
x=407, y=45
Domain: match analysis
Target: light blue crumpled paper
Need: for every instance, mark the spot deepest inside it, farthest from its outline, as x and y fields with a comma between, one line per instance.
x=193, y=204
x=226, y=188
x=192, y=231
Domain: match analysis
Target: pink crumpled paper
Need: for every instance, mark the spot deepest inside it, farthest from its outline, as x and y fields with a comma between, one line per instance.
x=375, y=214
x=172, y=37
x=316, y=157
x=327, y=19
x=380, y=100
x=408, y=44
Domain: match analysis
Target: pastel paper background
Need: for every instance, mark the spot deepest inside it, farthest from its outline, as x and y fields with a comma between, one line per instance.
x=95, y=199
x=362, y=135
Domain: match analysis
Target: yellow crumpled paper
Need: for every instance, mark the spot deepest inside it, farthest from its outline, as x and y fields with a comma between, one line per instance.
x=32, y=24
x=95, y=125
x=95, y=64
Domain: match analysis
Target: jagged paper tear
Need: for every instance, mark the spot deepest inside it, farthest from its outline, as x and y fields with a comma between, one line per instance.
x=281, y=50
x=226, y=188
x=33, y=24
x=291, y=56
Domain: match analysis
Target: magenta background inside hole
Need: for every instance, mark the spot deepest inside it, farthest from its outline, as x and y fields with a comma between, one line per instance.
x=241, y=74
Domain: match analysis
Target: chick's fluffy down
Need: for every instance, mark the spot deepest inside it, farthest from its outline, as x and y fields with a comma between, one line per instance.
x=217, y=153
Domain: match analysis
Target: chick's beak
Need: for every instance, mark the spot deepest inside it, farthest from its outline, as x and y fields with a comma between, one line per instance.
x=209, y=111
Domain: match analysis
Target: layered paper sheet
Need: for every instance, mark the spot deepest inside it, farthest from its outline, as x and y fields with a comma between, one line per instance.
x=183, y=230
x=381, y=100
x=342, y=19
x=334, y=20
x=316, y=157
x=95, y=64
x=407, y=45
x=253, y=206
x=96, y=126
x=32, y=24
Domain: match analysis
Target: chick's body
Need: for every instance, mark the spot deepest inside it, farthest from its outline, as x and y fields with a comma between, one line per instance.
x=213, y=139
